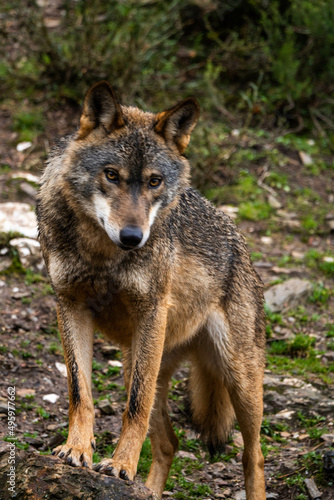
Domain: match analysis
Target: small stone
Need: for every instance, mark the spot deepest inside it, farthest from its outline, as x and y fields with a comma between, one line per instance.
x=238, y=439
x=51, y=398
x=28, y=189
x=274, y=202
x=29, y=252
x=330, y=224
x=105, y=407
x=240, y=495
x=328, y=438
x=287, y=215
x=229, y=210
x=115, y=363
x=305, y=158
x=288, y=295
x=25, y=175
x=35, y=442
x=5, y=263
x=186, y=454
x=298, y=255
x=61, y=367
x=109, y=349
x=22, y=146
x=266, y=240
x=285, y=414
x=312, y=489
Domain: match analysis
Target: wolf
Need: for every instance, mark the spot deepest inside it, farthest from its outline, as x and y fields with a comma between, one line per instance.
x=133, y=251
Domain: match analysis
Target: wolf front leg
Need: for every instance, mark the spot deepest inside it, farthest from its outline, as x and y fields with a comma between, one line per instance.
x=147, y=348
x=76, y=330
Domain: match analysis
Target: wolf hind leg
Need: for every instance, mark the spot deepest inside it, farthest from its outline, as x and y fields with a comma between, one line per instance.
x=246, y=390
x=234, y=352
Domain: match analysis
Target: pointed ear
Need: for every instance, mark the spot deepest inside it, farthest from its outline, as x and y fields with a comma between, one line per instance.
x=100, y=110
x=176, y=124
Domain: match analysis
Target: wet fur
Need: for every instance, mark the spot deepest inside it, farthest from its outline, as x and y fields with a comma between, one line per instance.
x=190, y=292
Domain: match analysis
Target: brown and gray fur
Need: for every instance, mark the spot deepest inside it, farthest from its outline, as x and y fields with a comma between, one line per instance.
x=176, y=284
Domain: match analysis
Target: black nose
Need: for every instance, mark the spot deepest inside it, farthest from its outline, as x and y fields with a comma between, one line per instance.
x=131, y=236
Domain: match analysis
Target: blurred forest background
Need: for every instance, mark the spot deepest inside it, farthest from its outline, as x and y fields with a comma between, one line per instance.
x=253, y=65
x=263, y=150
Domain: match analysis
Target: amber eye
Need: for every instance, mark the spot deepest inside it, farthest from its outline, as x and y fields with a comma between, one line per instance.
x=154, y=182
x=112, y=176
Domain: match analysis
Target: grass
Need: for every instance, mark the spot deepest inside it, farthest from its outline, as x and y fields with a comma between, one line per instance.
x=28, y=122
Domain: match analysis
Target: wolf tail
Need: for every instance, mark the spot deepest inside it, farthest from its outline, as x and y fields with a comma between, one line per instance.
x=212, y=410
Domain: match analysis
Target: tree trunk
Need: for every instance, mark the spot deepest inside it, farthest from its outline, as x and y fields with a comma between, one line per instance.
x=28, y=475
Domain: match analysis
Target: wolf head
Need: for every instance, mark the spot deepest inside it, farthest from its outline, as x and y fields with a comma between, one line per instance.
x=126, y=166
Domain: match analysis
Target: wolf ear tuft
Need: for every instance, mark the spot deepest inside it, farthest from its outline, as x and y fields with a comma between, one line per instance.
x=177, y=123
x=100, y=110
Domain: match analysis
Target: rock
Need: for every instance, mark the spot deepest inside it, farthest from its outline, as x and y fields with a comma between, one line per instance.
x=22, y=146
x=298, y=255
x=274, y=202
x=238, y=439
x=115, y=363
x=37, y=474
x=105, y=407
x=305, y=158
x=19, y=218
x=35, y=442
x=5, y=263
x=312, y=489
x=266, y=240
x=61, y=367
x=51, y=398
x=25, y=175
x=330, y=225
x=28, y=189
x=288, y=295
x=229, y=210
x=328, y=438
x=109, y=350
x=240, y=495
x=285, y=414
x=287, y=215
x=274, y=401
x=29, y=252
x=328, y=460
x=186, y=454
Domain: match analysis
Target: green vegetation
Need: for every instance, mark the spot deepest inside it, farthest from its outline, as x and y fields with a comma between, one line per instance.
x=232, y=53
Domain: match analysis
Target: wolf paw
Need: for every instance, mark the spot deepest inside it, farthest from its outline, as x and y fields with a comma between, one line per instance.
x=117, y=469
x=77, y=456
